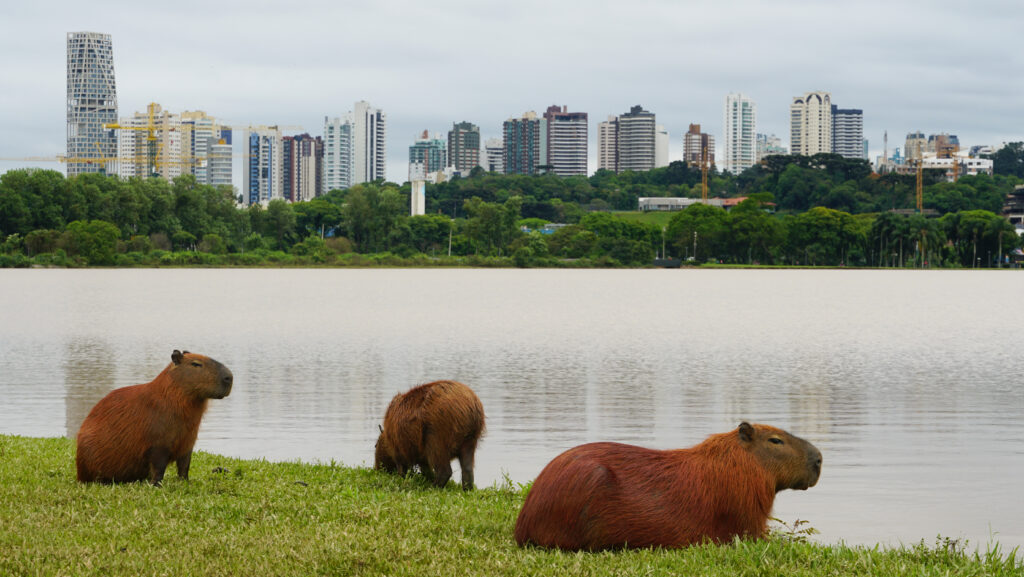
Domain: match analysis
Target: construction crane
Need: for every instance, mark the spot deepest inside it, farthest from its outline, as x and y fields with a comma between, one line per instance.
x=151, y=141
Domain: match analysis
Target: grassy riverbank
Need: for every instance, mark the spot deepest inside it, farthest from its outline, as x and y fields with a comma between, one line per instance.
x=239, y=517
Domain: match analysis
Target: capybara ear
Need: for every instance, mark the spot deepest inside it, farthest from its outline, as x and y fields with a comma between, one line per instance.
x=176, y=356
x=381, y=428
x=746, y=431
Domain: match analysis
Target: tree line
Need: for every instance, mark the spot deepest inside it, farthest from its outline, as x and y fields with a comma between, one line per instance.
x=820, y=210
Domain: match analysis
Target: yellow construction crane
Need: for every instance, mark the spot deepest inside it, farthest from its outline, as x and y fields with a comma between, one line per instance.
x=151, y=142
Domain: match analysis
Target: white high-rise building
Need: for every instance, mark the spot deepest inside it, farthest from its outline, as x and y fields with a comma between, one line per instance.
x=740, y=138
x=810, y=124
x=608, y=144
x=494, y=155
x=199, y=135
x=848, y=132
x=91, y=100
x=660, y=147
x=566, y=141
x=636, y=140
x=337, y=153
x=369, y=150
x=263, y=179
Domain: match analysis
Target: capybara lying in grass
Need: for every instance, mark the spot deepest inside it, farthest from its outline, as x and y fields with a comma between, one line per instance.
x=430, y=425
x=610, y=495
x=134, y=432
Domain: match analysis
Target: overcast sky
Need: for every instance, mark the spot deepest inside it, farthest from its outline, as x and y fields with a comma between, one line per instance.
x=934, y=66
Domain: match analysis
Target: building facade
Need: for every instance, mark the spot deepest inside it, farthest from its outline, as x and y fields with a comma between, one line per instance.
x=608, y=144
x=200, y=136
x=695, y=144
x=494, y=156
x=263, y=179
x=91, y=101
x=636, y=140
x=427, y=155
x=464, y=146
x=810, y=128
x=740, y=133
x=661, y=142
x=525, y=144
x=302, y=167
x=369, y=143
x=337, y=153
x=769, y=145
x=848, y=132
x=566, y=141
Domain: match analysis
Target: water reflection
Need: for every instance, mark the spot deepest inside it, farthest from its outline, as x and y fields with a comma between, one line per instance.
x=89, y=373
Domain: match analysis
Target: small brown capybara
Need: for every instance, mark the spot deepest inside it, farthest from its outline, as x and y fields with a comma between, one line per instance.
x=610, y=495
x=134, y=432
x=430, y=425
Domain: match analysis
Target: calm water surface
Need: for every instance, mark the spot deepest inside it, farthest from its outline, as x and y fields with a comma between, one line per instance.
x=908, y=381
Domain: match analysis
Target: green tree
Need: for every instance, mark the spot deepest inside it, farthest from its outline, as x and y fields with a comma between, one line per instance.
x=94, y=240
x=699, y=232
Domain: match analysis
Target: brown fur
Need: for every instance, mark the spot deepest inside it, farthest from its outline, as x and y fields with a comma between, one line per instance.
x=610, y=495
x=430, y=425
x=134, y=432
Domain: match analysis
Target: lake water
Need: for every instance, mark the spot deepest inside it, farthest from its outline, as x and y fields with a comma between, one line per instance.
x=908, y=381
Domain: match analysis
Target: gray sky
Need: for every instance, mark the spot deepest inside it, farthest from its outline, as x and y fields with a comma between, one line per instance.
x=935, y=66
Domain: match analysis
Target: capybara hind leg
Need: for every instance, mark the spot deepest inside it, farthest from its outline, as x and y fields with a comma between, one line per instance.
x=442, y=472
x=183, y=463
x=158, y=460
x=466, y=457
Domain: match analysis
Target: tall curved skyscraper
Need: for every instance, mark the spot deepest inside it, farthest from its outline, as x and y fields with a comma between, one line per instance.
x=92, y=101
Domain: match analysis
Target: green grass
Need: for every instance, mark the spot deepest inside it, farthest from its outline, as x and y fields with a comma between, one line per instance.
x=659, y=218
x=257, y=518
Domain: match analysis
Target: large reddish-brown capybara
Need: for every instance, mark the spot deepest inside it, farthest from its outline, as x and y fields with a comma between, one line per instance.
x=430, y=425
x=134, y=432
x=610, y=495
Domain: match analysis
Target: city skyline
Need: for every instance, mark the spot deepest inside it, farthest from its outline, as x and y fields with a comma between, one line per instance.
x=901, y=80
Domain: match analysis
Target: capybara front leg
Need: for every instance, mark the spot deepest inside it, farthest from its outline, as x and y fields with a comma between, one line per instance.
x=158, y=459
x=442, y=472
x=183, y=463
x=466, y=455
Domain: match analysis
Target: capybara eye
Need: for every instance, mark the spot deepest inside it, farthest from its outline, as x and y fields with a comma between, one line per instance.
x=775, y=440
x=196, y=364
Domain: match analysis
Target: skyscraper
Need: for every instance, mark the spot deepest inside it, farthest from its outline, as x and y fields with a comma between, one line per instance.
x=464, y=146
x=566, y=141
x=810, y=124
x=200, y=135
x=525, y=144
x=427, y=155
x=337, y=153
x=369, y=150
x=91, y=100
x=608, y=144
x=661, y=142
x=848, y=132
x=264, y=175
x=636, y=140
x=303, y=167
x=740, y=138
x=695, y=144
x=494, y=151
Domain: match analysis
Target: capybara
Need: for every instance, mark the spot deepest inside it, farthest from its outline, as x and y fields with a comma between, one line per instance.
x=134, y=432
x=610, y=495
x=430, y=425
